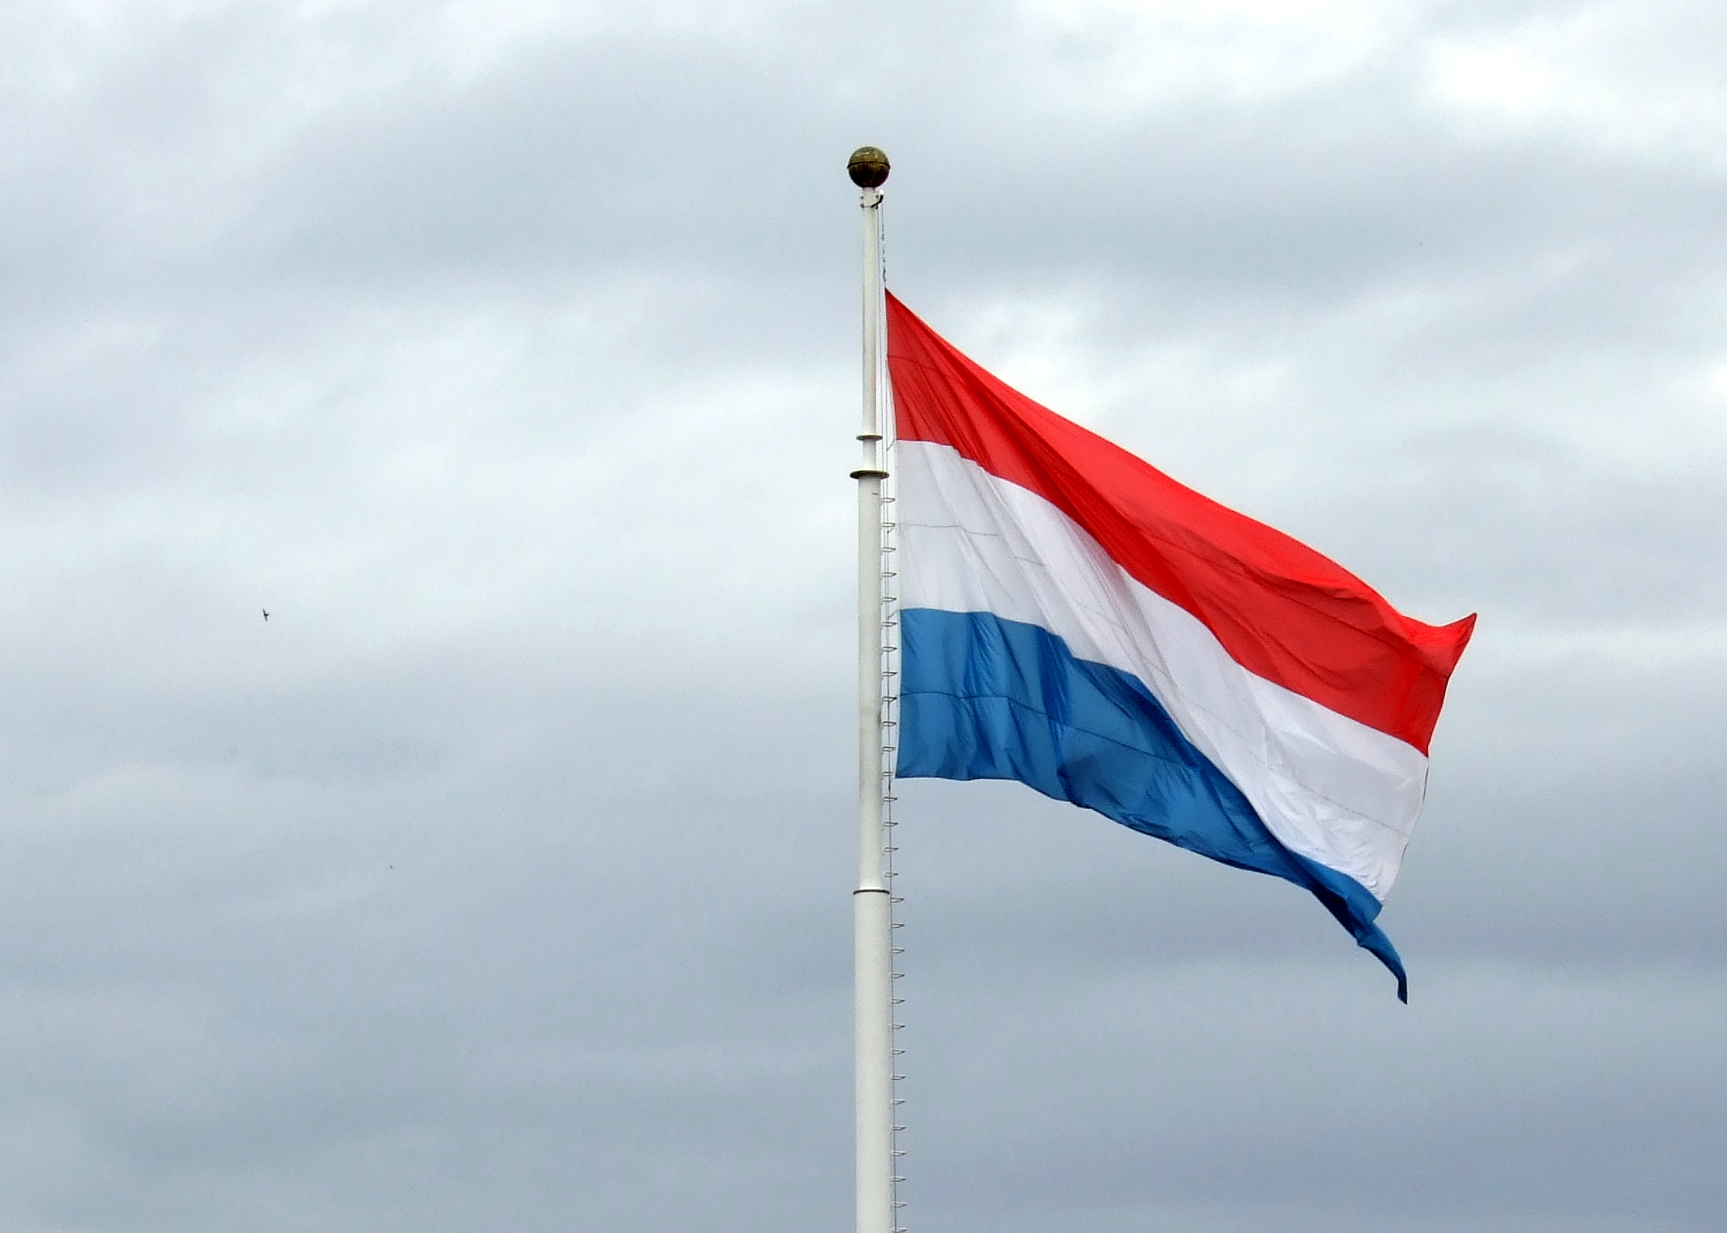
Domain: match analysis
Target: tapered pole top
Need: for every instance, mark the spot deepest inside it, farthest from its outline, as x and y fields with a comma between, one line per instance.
x=868, y=167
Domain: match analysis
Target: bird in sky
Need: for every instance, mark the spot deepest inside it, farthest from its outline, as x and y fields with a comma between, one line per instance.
x=266, y=614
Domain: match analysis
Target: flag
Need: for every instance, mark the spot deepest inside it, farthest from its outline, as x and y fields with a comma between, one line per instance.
x=1074, y=619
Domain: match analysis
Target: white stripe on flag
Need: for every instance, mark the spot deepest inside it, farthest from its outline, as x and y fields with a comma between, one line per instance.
x=1329, y=788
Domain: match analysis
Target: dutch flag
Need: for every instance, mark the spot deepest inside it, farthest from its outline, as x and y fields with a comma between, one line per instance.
x=1076, y=620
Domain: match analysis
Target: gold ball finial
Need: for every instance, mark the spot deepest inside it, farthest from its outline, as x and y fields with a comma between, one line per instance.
x=868, y=167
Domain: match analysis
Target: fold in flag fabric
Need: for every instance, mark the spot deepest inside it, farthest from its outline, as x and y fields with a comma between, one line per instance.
x=1074, y=619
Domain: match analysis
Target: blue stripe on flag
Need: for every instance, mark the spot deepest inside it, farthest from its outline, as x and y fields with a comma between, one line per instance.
x=984, y=698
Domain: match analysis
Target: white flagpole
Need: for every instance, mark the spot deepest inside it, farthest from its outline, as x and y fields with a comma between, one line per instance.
x=872, y=909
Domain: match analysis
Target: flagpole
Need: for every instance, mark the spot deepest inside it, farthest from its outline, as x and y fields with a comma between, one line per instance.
x=872, y=908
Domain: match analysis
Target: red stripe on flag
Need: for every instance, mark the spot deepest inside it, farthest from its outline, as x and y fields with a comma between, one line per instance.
x=1280, y=609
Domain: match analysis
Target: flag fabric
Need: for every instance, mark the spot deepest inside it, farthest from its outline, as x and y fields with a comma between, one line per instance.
x=1074, y=619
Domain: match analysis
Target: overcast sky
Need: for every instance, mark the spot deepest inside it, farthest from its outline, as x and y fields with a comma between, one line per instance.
x=506, y=352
